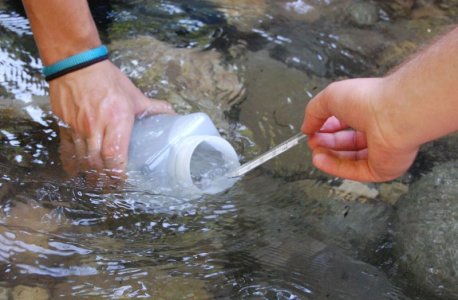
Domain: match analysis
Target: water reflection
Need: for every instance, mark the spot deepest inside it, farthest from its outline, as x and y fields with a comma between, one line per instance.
x=20, y=68
x=14, y=22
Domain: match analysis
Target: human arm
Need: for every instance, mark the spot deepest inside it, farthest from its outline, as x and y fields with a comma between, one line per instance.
x=371, y=129
x=98, y=102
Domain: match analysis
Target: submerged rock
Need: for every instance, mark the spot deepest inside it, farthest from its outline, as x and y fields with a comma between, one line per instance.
x=4, y=292
x=437, y=152
x=363, y=13
x=317, y=50
x=356, y=189
x=428, y=10
x=427, y=231
x=243, y=14
x=23, y=292
x=324, y=271
x=394, y=53
x=397, y=8
x=184, y=24
x=351, y=222
x=305, y=237
x=149, y=282
x=190, y=79
x=390, y=192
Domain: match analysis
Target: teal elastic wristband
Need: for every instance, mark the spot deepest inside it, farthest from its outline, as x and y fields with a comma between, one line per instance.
x=75, y=62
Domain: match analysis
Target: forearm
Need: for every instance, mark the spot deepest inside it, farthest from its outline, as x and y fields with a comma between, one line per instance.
x=61, y=28
x=422, y=95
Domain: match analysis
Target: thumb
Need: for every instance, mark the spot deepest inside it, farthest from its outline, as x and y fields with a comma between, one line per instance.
x=146, y=106
x=318, y=110
x=344, y=100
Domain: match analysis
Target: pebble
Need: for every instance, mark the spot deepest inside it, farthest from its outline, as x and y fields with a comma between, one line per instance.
x=23, y=292
x=363, y=13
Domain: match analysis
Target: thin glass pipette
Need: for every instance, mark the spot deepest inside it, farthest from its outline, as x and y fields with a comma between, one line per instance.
x=275, y=151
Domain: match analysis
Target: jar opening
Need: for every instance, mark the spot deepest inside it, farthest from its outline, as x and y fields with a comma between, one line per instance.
x=208, y=166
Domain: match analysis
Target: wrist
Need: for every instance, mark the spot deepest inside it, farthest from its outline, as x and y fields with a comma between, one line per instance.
x=58, y=45
x=75, y=62
x=412, y=113
x=419, y=111
x=52, y=53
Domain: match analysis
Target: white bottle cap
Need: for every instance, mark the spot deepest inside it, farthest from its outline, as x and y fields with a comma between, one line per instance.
x=182, y=154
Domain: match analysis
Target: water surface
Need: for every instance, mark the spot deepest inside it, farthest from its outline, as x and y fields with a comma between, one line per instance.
x=285, y=231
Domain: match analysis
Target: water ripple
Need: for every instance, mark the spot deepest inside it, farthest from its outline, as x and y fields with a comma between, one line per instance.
x=15, y=23
x=20, y=73
x=20, y=67
x=57, y=271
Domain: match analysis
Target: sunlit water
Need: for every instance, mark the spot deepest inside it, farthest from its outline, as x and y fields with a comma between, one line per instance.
x=274, y=235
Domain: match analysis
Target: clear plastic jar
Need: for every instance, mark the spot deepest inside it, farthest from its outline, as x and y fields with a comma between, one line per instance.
x=180, y=154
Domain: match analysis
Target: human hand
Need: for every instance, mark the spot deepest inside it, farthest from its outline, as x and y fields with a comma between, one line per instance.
x=352, y=134
x=99, y=104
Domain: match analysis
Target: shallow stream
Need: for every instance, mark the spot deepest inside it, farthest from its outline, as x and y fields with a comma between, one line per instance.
x=285, y=231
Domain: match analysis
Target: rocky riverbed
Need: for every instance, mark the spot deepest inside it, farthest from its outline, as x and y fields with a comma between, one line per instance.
x=285, y=230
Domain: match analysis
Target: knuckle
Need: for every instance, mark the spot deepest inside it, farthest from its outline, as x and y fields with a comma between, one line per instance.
x=333, y=90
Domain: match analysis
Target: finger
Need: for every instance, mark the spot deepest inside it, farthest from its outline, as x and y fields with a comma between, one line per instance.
x=316, y=113
x=341, y=140
x=348, y=165
x=333, y=124
x=146, y=106
x=115, y=146
x=67, y=152
x=351, y=155
x=80, y=151
x=66, y=137
x=94, y=148
x=80, y=145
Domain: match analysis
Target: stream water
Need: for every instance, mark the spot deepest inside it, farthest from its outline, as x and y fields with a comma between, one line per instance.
x=285, y=231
